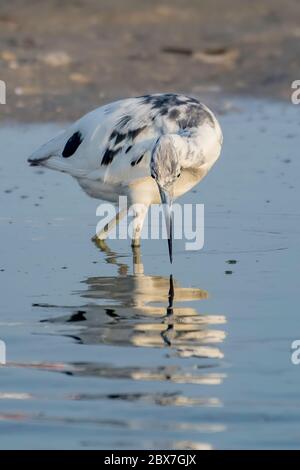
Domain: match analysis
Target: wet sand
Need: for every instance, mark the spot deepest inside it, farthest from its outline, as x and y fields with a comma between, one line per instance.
x=101, y=357
x=61, y=59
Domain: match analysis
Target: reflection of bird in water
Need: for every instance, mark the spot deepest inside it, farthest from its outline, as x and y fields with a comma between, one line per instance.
x=116, y=149
x=122, y=317
x=145, y=311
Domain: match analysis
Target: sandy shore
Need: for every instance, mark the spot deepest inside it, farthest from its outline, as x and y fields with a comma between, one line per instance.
x=60, y=60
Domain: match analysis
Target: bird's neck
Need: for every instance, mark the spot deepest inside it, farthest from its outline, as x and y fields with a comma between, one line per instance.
x=189, y=151
x=199, y=148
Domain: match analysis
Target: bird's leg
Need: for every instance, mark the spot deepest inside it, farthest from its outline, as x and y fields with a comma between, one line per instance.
x=138, y=267
x=140, y=211
x=103, y=234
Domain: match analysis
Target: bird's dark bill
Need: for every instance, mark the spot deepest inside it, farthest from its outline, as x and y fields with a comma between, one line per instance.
x=167, y=205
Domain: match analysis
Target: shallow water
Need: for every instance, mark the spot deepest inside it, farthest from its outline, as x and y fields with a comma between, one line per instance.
x=104, y=351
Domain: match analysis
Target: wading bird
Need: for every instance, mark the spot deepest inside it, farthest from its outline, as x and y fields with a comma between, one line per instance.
x=152, y=149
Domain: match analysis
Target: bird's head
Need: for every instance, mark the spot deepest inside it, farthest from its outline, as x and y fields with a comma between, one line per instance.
x=165, y=169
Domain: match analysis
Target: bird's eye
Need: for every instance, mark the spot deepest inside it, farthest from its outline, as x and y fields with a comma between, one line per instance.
x=152, y=176
x=178, y=175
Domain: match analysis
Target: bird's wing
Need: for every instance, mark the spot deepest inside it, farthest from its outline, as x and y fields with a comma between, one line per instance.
x=125, y=140
x=111, y=143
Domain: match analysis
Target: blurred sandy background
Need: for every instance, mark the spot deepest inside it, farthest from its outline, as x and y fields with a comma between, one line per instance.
x=61, y=59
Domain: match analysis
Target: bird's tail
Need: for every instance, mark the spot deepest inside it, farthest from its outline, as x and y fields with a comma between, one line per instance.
x=49, y=155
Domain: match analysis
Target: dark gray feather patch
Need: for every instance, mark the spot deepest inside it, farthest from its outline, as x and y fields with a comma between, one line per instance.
x=72, y=145
x=109, y=156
